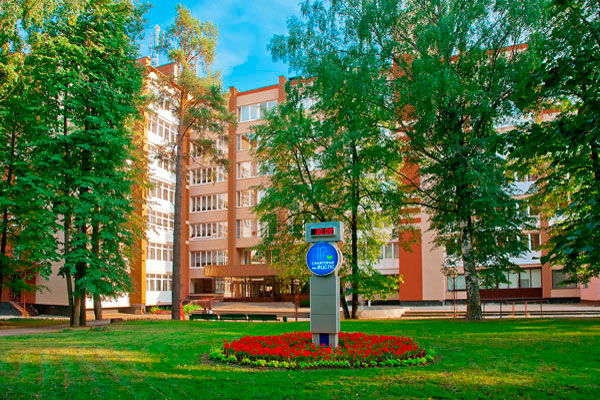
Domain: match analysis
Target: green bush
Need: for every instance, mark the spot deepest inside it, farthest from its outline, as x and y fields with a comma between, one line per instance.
x=190, y=308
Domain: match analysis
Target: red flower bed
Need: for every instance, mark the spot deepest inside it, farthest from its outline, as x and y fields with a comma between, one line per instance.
x=355, y=349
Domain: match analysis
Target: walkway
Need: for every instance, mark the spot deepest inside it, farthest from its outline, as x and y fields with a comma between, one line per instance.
x=48, y=329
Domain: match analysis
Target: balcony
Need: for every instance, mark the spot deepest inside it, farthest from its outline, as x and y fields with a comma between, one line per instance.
x=242, y=270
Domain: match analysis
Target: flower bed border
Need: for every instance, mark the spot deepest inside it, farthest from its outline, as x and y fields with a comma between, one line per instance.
x=407, y=359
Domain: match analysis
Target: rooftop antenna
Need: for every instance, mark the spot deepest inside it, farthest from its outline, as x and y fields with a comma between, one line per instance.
x=154, y=51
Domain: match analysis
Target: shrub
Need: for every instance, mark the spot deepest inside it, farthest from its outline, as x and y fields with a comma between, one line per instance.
x=190, y=308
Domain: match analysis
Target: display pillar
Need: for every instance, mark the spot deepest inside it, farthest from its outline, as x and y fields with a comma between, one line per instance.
x=325, y=309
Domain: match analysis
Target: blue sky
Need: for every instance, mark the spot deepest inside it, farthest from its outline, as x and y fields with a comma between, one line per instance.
x=245, y=29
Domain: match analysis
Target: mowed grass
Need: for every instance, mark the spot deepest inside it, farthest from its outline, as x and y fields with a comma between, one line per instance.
x=164, y=359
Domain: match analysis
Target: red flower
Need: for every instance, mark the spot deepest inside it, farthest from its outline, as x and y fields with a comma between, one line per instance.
x=298, y=346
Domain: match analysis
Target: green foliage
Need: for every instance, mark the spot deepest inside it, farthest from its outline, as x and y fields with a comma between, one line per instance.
x=563, y=147
x=441, y=74
x=94, y=97
x=190, y=308
x=328, y=161
x=458, y=68
x=217, y=354
x=16, y=16
x=70, y=145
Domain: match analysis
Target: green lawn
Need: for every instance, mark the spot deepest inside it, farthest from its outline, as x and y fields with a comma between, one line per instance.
x=158, y=359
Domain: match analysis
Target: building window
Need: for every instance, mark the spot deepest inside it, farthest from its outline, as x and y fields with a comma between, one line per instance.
x=161, y=128
x=530, y=278
x=246, y=198
x=243, y=142
x=200, y=176
x=246, y=228
x=162, y=190
x=558, y=277
x=256, y=111
x=220, y=144
x=160, y=221
x=161, y=158
x=158, y=282
x=159, y=251
x=211, y=202
x=199, y=259
x=456, y=284
x=389, y=251
x=211, y=230
x=525, y=177
x=247, y=169
x=251, y=257
x=534, y=241
x=219, y=285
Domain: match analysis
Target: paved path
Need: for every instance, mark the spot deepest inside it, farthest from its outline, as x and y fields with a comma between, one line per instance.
x=48, y=329
x=374, y=312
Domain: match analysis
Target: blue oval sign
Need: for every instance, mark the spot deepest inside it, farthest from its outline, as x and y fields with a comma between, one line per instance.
x=322, y=258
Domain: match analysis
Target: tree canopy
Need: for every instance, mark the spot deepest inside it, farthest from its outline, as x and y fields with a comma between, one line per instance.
x=442, y=74
x=562, y=144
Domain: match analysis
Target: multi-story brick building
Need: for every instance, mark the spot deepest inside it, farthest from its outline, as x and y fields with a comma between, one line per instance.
x=217, y=258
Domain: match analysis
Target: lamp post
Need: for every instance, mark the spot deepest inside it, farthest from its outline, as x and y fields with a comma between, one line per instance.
x=296, y=296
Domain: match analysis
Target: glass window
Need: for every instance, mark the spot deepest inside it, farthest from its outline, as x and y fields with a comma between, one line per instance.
x=525, y=279
x=219, y=285
x=246, y=257
x=246, y=169
x=534, y=241
x=558, y=277
x=536, y=278
x=246, y=198
x=459, y=281
x=389, y=251
x=255, y=111
x=246, y=228
x=503, y=285
x=513, y=280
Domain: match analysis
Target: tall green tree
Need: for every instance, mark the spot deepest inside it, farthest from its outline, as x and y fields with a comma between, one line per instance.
x=28, y=245
x=450, y=68
x=563, y=146
x=321, y=168
x=195, y=96
x=86, y=89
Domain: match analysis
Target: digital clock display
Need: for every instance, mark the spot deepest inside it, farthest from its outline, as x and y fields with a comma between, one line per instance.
x=320, y=232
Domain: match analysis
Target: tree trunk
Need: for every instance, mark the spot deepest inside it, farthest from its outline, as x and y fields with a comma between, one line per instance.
x=97, y=308
x=76, y=311
x=96, y=251
x=354, y=264
x=82, y=230
x=67, y=228
x=471, y=279
x=343, y=301
x=82, y=316
x=67, y=231
x=179, y=179
x=354, y=232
